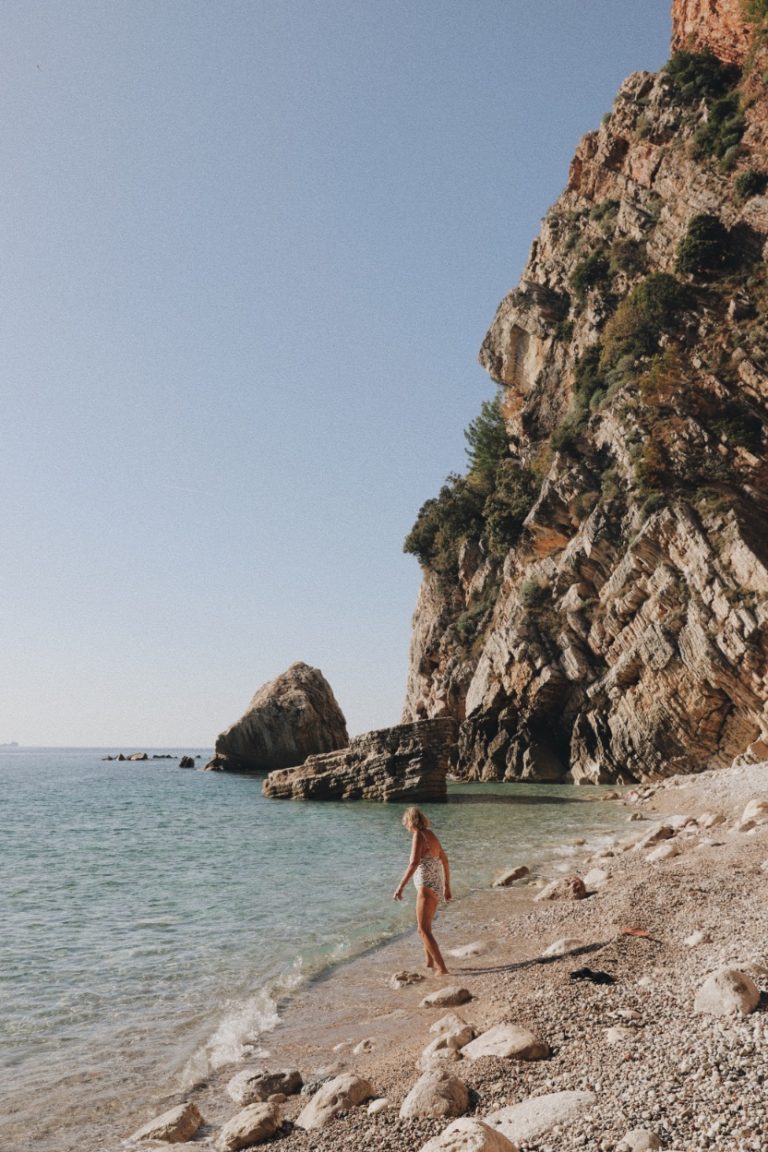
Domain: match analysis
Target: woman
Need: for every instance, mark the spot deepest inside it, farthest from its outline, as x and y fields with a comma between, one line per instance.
x=431, y=875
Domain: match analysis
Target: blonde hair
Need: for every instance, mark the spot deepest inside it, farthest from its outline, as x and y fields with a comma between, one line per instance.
x=415, y=818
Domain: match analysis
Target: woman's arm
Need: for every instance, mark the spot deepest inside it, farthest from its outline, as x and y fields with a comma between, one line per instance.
x=412, y=866
x=446, y=873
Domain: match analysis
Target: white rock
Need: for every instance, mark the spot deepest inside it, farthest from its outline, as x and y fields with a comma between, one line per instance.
x=596, y=878
x=507, y=1041
x=469, y=1135
x=446, y=997
x=523, y=1122
x=404, y=979
x=437, y=1093
x=173, y=1127
x=639, y=1140
x=618, y=1034
x=366, y=1045
x=338, y=1095
x=253, y=1125
x=563, y=945
x=678, y=822
x=452, y=1038
x=378, y=1105
x=476, y=948
x=700, y=936
x=764, y=866
x=755, y=812
x=567, y=888
x=437, y=1053
x=655, y=835
x=663, y=852
x=727, y=992
x=449, y=1023
x=510, y=877
x=711, y=820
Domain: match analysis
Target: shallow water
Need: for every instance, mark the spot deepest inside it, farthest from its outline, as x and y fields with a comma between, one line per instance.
x=153, y=918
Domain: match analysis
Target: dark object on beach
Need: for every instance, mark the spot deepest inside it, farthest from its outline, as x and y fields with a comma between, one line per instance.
x=594, y=976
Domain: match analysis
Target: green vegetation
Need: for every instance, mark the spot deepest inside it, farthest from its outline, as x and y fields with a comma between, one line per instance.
x=750, y=183
x=588, y=273
x=651, y=309
x=757, y=10
x=721, y=135
x=534, y=595
x=705, y=250
x=701, y=76
x=588, y=384
x=487, y=506
x=627, y=256
x=486, y=439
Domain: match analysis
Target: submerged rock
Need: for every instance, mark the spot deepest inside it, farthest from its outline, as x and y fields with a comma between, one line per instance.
x=289, y=719
x=175, y=1126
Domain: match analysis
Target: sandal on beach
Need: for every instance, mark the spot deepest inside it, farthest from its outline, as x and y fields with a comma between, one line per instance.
x=596, y=977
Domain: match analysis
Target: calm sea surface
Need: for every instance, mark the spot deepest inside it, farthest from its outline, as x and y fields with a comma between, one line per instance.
x=152, y=918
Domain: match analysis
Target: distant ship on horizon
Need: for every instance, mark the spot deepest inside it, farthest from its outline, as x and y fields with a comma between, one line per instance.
x=10, y=744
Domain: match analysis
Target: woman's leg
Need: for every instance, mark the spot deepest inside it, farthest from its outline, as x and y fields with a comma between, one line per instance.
x=426, y=906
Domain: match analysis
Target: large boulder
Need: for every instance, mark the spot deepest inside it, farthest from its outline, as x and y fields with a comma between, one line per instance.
x=289, y=719
x=507, y=1041
x=254, y=1086
x=405, y=764
x=524, y=1122
x=254, y=1125
x=437, y=1094
x=175, y=1126
x=727, y=992
x=469, y=1134
x=337, y=1095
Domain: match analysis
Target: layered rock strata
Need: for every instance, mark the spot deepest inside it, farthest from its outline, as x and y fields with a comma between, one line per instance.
x=408, y=763
x=624, y=633
x=722, y=26
x=289, y=718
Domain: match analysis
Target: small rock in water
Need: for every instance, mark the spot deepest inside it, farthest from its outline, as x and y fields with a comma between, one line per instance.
x=510, y=877
x=404, y=979
x=446, y=997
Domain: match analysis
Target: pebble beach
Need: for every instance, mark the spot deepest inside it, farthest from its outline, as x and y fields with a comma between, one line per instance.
x=654, y=1057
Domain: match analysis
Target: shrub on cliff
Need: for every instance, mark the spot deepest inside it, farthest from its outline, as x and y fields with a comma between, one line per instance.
x=486, y=439
x=652, y=308
x=705, y=250
x=444, y=523
x=721, y=135
x=514, y=492
x=588, y=273
x=750, y=183
x=701, y=76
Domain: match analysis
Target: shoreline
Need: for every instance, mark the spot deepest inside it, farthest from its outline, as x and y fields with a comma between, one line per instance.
x=693, y=1077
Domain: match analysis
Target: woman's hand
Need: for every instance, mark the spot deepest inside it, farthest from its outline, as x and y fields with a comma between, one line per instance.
x=398, y=894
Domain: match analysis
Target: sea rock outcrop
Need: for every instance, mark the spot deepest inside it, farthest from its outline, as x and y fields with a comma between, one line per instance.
x=407, y=763
x=289, y=719
x=595, y=597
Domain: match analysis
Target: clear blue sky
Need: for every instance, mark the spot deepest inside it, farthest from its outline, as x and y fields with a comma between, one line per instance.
x=250, y=252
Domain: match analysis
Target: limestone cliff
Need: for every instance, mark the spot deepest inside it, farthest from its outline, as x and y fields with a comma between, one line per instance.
x=595, y=602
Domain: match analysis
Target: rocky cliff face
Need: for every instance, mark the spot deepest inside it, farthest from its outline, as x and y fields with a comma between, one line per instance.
x=619, y=631
x=723, y=26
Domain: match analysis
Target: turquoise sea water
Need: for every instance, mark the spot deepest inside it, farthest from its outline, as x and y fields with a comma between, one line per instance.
x=152, y=918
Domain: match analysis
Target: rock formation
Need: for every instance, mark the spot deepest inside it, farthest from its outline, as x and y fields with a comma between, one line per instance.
x=723, y=26
x=408, y=763
x=595, y=595
x=287, y=720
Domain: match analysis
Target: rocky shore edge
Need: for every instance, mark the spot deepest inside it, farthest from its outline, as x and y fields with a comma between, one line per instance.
x=619, y=1009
